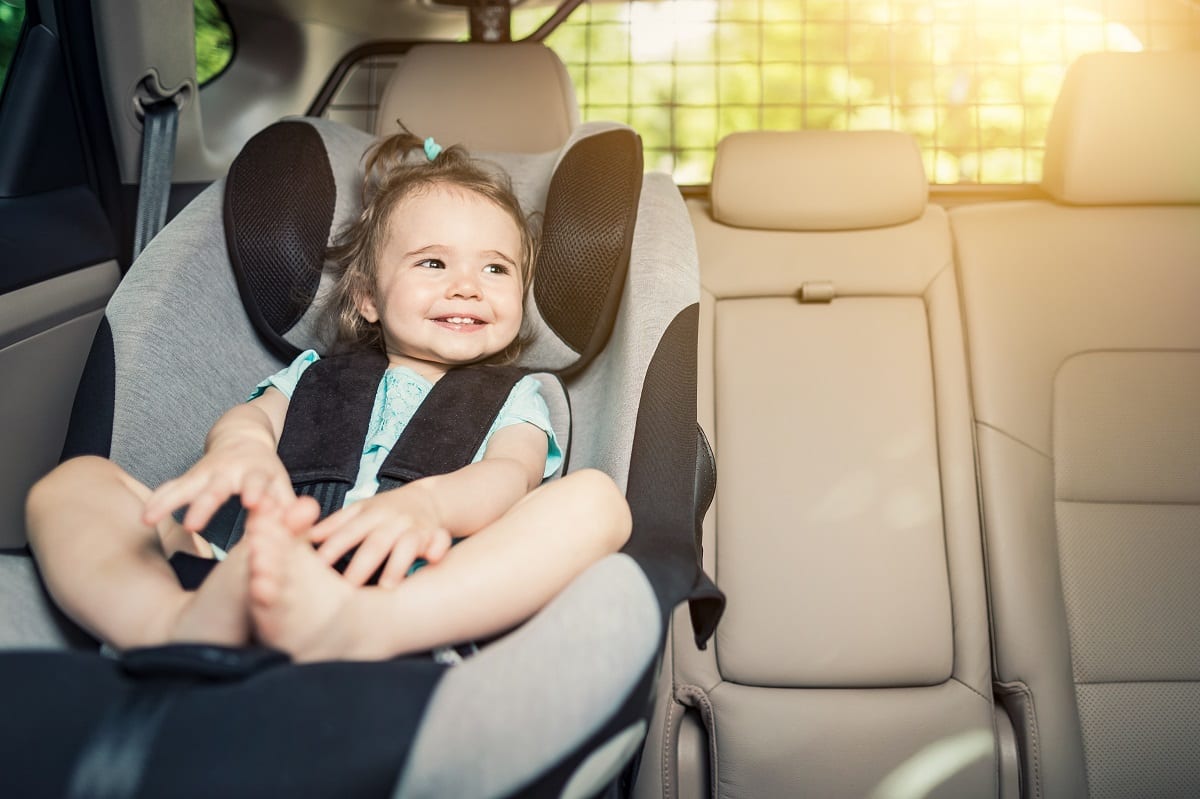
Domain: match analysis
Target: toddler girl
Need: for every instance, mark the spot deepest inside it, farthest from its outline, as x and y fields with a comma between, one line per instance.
x=433, y=274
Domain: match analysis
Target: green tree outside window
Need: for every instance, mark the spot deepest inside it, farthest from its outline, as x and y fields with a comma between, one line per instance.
x=12, y=13
x=214, y=38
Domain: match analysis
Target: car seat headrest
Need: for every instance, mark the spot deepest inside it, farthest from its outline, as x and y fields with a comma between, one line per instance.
x=296, y=184
x=1124, y=131
x=507, y=98
x=818, y=180
x=279, y=207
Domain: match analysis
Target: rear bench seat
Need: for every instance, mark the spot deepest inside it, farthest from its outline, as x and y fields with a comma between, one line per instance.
x=853, y=656
x=1083, y=322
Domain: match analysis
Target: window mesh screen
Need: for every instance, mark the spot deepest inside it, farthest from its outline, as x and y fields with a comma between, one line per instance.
x=357, y=99
x=973, y=80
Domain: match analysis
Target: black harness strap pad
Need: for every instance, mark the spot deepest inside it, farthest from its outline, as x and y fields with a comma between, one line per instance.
x=328, y=418
x=321, y=444
x=451, y=424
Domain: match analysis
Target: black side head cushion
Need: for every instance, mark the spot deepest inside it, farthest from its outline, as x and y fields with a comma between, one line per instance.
x=279, y=202
x=587, y=237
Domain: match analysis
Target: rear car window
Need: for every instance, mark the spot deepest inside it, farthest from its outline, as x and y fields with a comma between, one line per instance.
x=973, y=80
x=12, y=14
x=214, y=40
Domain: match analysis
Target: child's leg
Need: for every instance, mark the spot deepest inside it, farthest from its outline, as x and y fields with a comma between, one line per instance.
x=108, y=571
x=486, y=584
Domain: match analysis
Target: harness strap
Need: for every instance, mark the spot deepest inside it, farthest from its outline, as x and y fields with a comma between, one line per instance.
x=330, y=413
x=451, y=424
x=328, y=418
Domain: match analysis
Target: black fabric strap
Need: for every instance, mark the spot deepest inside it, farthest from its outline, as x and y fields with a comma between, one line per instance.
x=330, y=413
x=451, y=424
x=323, y=433
x=112, y=764
x=328, y=418
x=159, y=124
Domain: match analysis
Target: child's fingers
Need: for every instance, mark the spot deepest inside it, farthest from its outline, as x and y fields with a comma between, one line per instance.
x=260, y=484
x=173, y=494
x=280, y=487
x=254, y=487
x=345, y=539
x=403, y=555
x=370, y=555
x=334, y=522
x=438, y=545
x=300, y=515
x=204, y=505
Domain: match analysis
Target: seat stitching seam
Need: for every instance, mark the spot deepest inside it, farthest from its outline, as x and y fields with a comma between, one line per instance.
x=1011, y=437
x=1031, y=723
x=971, y=689
x=667, y=749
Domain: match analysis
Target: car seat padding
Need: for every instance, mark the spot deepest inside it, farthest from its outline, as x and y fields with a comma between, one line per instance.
x=279, y=204
x=588, y=234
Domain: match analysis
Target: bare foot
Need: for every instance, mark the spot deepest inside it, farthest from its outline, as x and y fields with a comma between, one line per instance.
x=297, y=602
x=216, y=612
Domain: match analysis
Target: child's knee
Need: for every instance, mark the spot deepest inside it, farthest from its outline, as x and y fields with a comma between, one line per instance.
x=63, y=482
x=597, y=497
x=62, y=477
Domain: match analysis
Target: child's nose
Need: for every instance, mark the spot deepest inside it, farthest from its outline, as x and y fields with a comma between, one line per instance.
x=465, y=285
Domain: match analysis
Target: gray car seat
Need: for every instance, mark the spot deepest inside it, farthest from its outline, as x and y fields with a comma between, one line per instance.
x=557, y=706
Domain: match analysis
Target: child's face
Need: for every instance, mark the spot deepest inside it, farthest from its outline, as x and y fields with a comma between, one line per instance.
x=449, y=289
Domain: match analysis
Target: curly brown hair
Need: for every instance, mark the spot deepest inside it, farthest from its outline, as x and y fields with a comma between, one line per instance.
x=391, y=176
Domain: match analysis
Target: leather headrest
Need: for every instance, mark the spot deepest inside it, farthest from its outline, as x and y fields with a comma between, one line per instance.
x=1126, y=131
x=818, y=180
x=515, y=98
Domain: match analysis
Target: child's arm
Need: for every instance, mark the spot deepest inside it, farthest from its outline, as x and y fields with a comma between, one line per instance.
x=239, y=458
x=419, y=519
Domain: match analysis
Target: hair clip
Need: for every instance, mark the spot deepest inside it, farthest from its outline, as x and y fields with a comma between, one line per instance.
x=432, y=149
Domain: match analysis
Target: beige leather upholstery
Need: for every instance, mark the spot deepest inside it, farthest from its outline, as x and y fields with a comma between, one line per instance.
x=817, y=180
x=1109, y=142
x=1084, y=344
x=854, y=649
x=489, y=97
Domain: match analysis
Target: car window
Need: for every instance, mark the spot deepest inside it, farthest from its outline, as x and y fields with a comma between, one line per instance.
x=973, y=80
x=214, y=40
x=12, y=13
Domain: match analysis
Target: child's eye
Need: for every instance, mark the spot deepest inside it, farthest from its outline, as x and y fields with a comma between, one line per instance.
x=497, y=269
x=432, y=263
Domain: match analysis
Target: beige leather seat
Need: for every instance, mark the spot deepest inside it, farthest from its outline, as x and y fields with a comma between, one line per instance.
x=1083, y=322
x=514, y=98
x=853, y=656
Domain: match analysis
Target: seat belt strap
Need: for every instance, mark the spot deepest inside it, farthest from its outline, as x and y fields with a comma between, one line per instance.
x=159, y=125
x=451, y=424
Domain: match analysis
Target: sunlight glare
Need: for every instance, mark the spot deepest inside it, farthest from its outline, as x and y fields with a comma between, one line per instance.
x=657, y=29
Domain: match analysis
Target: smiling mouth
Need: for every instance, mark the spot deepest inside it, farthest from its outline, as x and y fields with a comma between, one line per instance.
x=460, y=322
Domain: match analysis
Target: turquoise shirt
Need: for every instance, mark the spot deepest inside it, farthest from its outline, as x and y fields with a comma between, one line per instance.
x=400, y=393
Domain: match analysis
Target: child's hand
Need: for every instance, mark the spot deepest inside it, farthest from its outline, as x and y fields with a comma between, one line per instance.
x=243, y=467
x=396, y=526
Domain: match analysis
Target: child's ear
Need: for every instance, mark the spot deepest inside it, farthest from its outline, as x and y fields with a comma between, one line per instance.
x=366, y=307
